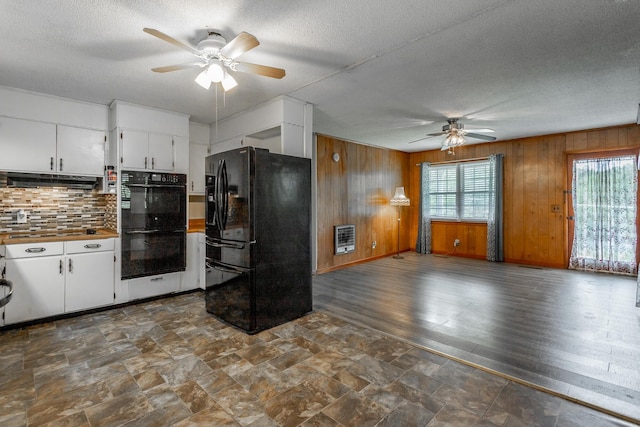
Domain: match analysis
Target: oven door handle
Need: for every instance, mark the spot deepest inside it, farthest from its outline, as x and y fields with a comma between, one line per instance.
x=179, y=230
x=215, y=244
x=226, y=269
x=142, y=232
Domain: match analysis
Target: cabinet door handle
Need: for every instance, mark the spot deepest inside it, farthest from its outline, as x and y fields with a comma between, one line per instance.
x=60, y=164
x=35, y=250
x=51, y=164
x=191, y=185
x=153, y=163
x=61, y=268
x=70, y=265
x=93, y=246
x=145, y=162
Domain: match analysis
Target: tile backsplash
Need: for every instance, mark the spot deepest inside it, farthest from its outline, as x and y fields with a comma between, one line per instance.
x=56, y=208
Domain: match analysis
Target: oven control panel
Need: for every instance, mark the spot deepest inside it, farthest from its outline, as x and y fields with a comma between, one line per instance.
x=139, y=177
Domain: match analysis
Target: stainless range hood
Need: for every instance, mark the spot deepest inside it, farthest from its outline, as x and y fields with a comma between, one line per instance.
x=31, y=180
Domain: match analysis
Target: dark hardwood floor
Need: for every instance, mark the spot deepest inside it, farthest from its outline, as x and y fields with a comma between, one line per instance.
x=576, y=334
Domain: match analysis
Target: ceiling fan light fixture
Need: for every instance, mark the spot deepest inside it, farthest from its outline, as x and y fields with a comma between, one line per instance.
x=203, y=79
x=215, y=72
x=229, y=82
x=216, y=56
x=454, y=139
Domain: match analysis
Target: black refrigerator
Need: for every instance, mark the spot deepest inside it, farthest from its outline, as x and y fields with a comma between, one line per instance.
x=258, y=221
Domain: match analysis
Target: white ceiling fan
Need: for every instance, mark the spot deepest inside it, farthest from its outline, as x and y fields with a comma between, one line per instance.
x=456, y=135
x=218, y=57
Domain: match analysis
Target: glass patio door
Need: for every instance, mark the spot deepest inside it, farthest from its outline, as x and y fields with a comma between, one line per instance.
x=603, y=206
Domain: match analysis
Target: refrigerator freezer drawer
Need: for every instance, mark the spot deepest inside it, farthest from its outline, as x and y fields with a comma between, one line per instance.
x=230, y=252
x=230, y=294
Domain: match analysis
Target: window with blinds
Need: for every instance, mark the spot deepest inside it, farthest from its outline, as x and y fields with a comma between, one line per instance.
x=460, y=191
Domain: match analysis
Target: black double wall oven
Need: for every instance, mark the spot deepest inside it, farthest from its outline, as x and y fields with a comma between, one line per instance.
x=154, y=223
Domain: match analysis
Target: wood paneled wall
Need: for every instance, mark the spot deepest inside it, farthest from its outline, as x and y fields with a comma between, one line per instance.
x=356, y=190
x=534, y=180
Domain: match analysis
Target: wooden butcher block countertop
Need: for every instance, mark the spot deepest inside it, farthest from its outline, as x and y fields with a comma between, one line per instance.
x=54, y=236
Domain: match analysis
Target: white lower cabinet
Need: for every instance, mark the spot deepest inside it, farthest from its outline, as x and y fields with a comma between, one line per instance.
x=90, y=274
x=201, y=260
x=151, y=286
x=193, y=277
x=4, y=291
x=37, y=272
x=57, y=277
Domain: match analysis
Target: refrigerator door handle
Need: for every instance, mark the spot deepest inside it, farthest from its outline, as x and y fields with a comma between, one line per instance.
x=224, y=195
x=218, y=196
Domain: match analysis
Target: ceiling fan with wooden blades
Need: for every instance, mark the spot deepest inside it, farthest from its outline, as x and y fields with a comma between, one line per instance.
x=218, y=57
x=456, y=135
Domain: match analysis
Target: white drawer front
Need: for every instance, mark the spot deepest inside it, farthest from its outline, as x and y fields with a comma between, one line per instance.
x=93, y=245
x=30, y=250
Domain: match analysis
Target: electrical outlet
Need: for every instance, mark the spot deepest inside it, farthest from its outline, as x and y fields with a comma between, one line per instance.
x=21, y=216
x=373, y=244
x=456, y=242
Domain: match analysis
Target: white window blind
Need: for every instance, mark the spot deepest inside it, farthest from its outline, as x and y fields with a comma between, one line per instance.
x=460, y=191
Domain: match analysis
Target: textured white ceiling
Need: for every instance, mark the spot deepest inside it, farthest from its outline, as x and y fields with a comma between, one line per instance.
x=378, y=72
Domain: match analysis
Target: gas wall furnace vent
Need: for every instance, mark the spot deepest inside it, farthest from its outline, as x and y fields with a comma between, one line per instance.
x=345, y=238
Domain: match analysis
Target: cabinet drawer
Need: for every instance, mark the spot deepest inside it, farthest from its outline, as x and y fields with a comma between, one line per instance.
x=94, y=245
x=30, y=250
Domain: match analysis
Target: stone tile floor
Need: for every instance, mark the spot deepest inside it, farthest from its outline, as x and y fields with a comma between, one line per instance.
x=168, y=362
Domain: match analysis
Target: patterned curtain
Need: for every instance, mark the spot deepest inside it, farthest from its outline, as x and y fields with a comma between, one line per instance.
x=423, y=244
x=604, y=203
x=495, y=238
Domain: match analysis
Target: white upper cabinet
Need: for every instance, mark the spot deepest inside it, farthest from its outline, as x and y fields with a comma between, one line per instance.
x=197, y=154
x=149, y=138
x=181, y=154
x=80, y=151
x=199, y=140
x=38, y=131
x=283, y=125
x=161, y=151
x=145, y=150
x=135, y=149
x=32, y=146
x=27, y=145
